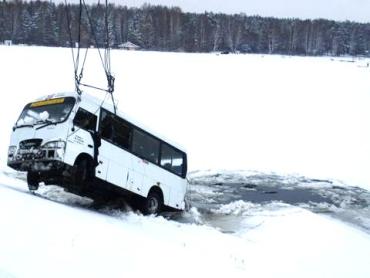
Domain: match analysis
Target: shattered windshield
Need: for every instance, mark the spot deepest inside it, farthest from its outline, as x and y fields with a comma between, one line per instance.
x=46, y=111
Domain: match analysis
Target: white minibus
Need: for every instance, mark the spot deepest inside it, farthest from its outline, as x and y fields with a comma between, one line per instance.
x=81, y=143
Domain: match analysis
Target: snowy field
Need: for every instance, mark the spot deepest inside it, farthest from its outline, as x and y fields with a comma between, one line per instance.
x=305, y=118
x=271, y=113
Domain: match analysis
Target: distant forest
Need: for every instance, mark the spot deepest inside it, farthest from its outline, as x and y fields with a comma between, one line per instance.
x=169, y=29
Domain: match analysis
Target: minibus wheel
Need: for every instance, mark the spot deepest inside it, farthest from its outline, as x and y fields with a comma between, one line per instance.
x=153, y=203
x=82, y=173
x=32, y=181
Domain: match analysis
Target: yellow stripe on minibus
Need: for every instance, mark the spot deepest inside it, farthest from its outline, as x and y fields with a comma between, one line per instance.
x=48, y=102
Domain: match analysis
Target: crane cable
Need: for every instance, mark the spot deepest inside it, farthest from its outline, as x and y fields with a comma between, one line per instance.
x=106, y=63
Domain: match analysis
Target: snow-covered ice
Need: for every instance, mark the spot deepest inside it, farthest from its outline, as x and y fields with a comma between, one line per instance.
x=64, y=238
x=279, y=119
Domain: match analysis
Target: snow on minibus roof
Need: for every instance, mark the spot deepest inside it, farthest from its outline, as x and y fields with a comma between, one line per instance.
x=106, y=104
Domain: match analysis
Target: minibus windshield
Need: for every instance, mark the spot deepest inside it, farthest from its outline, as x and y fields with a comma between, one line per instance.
x=50, y=111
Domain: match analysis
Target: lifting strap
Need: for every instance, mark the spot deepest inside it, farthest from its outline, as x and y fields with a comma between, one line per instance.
x=106, y=63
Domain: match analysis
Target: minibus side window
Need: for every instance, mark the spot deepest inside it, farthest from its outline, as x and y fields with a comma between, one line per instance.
x=106, y=126
x=121, y=133
x=172, y=160
x=85, y=120
x=145, y=146
x=115, y=130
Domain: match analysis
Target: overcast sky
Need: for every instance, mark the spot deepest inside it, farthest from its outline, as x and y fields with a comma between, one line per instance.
x=356, y=10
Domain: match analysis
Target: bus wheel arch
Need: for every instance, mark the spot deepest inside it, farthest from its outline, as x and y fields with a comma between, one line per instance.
x=153, y=203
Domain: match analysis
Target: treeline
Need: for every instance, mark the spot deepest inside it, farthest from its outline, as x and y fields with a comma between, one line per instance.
x=170, y=29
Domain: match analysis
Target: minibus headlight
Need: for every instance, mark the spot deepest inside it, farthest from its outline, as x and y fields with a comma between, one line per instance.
x=12, y=150
x=54, y=145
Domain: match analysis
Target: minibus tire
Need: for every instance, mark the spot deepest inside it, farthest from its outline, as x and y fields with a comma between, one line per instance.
x=82, y=173
x=32, y=181
x=152, y=204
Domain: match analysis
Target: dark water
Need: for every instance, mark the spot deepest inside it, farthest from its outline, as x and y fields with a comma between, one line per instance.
x=261, y=194
x=210, y=192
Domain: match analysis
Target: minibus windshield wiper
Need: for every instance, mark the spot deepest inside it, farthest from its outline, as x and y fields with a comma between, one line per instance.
x=47, y=123
x=20, y=126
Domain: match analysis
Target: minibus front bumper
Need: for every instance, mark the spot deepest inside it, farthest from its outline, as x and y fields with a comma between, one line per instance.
x=37, y=159
x=37, y=165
